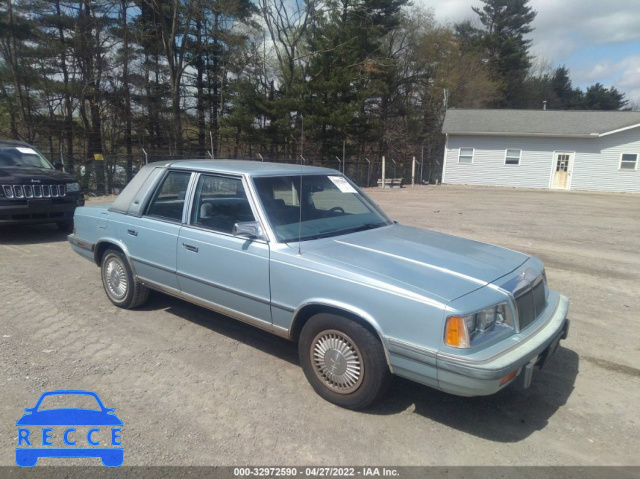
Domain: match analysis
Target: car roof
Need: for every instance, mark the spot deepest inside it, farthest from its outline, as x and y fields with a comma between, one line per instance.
x=249, y=167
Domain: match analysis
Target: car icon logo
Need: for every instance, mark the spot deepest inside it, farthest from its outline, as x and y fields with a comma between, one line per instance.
x=94, y=432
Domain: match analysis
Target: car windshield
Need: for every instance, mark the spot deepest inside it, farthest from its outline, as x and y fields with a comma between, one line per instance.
x=22, y=156
x=331, y=206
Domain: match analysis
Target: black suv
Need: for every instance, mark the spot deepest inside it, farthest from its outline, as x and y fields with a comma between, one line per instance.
x=32, y=190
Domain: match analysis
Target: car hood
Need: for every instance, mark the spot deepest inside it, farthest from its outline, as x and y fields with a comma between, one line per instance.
x=426, y=261
x=26, y=174
x=69, y=417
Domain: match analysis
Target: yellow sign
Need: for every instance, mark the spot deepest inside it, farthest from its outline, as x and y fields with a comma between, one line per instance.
x=98, y=157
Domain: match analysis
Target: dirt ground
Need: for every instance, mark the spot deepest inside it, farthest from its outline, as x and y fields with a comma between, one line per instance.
x=196, y=388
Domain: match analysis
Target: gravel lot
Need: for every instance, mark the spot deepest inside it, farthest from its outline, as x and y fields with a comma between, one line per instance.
x=196, y=388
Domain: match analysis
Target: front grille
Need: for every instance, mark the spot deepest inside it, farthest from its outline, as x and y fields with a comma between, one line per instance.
x=33, y=191
x=530, y=304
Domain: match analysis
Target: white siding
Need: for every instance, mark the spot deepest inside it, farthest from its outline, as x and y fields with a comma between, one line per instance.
x=595, y=167
x=602, y=171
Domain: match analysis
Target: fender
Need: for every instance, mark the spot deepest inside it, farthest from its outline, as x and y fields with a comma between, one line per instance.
x=98, y=249
x=347, y=308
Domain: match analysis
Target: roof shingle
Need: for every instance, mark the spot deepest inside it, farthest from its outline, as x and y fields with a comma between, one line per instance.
x=538, y=122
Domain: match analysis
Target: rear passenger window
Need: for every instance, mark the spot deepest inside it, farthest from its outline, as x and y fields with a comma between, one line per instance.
x=168, y=201
x=220, y=203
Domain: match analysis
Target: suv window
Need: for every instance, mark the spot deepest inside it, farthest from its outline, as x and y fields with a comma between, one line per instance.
x=17, y=156
x=220, y=203
x=168, y=201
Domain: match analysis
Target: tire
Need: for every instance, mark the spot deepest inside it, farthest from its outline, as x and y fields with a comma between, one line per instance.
x=121, y=287
x=65, y=226
x=344, y=362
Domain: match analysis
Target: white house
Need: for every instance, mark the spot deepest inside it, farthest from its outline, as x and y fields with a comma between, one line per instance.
x=577, y=150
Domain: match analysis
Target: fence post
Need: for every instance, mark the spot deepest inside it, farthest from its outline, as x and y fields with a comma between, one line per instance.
x=413, y=172
x=383, y=171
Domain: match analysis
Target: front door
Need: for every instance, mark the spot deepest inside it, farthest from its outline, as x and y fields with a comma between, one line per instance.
x=562, y=171
x=227, y=272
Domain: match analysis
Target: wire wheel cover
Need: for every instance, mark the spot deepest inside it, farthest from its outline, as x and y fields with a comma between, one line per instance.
x=337, y=361
x=115, y=277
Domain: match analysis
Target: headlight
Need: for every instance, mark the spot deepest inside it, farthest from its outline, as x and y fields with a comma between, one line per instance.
x=73, y=187
x=472, y=329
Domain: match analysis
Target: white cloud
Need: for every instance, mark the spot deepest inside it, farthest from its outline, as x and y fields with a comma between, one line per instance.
x=629, y=81
x=562, y=28
x=581, y=34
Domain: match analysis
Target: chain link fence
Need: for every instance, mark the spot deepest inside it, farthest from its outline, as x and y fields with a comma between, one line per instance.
x=111, y=175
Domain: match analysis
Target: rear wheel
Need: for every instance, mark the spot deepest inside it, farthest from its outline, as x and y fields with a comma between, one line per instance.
x=343, y=361
x=121, y=287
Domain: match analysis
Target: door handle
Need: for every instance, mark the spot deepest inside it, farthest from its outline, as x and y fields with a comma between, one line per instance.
x=189, y=247
x=132, y=232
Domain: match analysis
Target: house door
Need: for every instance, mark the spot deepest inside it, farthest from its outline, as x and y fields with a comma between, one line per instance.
x=562, y=171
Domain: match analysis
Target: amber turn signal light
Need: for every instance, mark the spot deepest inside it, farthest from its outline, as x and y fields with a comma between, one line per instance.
x=508, y=377
x=456, y=334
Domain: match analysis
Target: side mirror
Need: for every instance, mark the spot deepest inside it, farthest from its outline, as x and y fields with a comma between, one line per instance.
x=249, y=229
x=58, y=166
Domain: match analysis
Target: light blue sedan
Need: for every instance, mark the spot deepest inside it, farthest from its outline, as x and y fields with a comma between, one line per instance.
x=303, y=253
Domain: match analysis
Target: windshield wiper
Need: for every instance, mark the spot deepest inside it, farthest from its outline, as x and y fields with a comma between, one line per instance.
x=364, y=227
x=326, y=234
x=367, y=226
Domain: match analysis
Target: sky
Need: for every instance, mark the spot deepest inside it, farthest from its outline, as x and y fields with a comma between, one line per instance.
x=597, y=40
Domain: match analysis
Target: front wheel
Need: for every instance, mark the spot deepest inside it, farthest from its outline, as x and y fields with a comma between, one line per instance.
x=343, y=361
x=121, y=287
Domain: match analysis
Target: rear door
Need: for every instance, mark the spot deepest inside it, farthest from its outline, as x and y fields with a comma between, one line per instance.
x=152, y=239
x=226, y=272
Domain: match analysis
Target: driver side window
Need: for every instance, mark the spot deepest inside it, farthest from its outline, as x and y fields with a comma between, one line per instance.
x=220, y=203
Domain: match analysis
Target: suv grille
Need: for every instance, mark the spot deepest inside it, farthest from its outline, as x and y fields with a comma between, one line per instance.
x=530, y=304
x=34, y=191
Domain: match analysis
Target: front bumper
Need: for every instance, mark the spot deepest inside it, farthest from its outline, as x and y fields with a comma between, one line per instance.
x=39, y=211
x=480, y=376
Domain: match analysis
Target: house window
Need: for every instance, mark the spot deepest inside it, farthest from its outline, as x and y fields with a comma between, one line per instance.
x=629, y=161
x=465, y=155
x=512, y=157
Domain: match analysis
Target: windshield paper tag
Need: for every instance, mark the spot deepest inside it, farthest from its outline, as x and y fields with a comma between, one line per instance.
x=342, y=184
x=26, y=150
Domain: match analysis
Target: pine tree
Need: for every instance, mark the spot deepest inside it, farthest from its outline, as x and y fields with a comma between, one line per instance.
x=349, y=72
x=506, y=22
x=597, y=97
